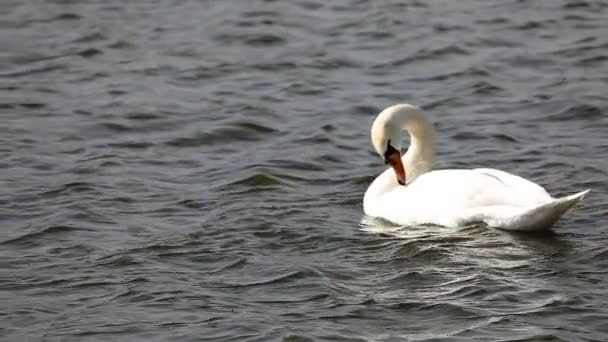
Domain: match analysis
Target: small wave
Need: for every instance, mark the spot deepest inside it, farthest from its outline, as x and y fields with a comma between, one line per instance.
x=578, y=112
x=436, y=308
x=236, y=264
x=67, y=16
x=305, y=89
x=259, y=13
x=90, y=52
x=504, y=137
x=75, y=187
x=44, y=232
x=449, y=28
x=274, y=66
x=87, y=283
x=71, y=251
x=29, y=71
x=132, y=145
x=291, y=164
x=375, y=35
x=142, y=116
x=314, y=298
x=116, y=127
x=118, y=260
x=205, y=72
x=470, y=72
x=332, y=63
x=259, y=180
x=486, y=88
x=576, y=5
x=429, y=54
x=594, y=61
x=121, y=45
x=193, y=204
x=581, y=48
x=285, y=278
x=536, y=337
x=493, y=21
x=243, y=131
x=464, y=136
x=90, y=37
x=32, y=105
x=602, y=255
x=252, y=39
x=117, y=92
x=465, y=291
x=534, y=25
x=364, y=110
x=264, y=40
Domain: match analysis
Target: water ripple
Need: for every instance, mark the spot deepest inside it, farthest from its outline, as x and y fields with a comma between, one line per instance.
x=195, y=170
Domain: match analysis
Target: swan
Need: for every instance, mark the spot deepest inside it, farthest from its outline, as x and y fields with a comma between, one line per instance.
x=411, y=193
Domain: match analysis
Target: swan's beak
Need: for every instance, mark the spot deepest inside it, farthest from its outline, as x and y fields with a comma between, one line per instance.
x=394, y=160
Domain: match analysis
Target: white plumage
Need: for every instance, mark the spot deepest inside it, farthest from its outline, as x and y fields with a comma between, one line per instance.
x=452, y=197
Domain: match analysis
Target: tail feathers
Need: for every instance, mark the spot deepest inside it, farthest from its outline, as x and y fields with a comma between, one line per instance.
x=544, y=216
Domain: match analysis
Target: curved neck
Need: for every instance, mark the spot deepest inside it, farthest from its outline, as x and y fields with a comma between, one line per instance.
x=421, y=152
x=420, y=155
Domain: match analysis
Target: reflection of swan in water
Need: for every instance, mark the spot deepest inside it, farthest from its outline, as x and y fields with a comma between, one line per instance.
x=548, y=243
x=474, y=244
x=412, y=194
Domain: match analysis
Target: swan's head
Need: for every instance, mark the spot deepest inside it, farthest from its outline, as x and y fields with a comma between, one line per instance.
x=386, y=140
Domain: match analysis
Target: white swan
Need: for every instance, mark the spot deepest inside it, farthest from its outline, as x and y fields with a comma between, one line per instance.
x=412, y=194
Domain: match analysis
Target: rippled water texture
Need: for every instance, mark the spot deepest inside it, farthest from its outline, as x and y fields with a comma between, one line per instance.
x=194, y=170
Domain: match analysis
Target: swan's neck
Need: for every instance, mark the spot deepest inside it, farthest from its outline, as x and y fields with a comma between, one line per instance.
x=420, y=154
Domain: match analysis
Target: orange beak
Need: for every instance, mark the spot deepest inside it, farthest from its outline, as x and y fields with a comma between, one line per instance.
x=394, y=160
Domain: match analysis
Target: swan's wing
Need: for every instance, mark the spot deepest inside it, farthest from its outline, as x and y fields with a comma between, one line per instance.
x=443, y=196
x=541, y=217
x=438, y=197
x=517, y=186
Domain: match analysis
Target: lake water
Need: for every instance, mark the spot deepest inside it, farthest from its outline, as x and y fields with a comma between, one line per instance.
x=194, y=170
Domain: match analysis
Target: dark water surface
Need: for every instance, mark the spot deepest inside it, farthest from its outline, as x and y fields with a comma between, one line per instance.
x=194, y=170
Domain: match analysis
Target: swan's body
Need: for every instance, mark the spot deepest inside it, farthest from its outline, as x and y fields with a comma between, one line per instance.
x=451, y=197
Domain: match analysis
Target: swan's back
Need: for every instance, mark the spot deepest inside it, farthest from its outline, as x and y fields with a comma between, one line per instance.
x=451, y=197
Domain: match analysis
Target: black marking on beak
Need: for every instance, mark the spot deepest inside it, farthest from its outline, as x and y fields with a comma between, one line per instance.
x=389, y=151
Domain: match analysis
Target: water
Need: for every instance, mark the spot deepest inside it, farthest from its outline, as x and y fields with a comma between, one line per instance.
x=194, y=170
